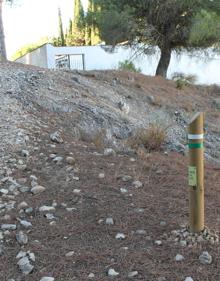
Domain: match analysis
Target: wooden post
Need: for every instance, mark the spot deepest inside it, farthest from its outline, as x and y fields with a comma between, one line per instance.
x=196, y=173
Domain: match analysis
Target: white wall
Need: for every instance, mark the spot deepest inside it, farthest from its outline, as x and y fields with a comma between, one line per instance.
x=37, y=57
x=97, y=58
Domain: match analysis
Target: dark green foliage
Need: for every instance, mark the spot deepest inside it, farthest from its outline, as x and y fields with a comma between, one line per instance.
x=168, y=24
x=128, y=66
x=61, y=33
x=77, y=35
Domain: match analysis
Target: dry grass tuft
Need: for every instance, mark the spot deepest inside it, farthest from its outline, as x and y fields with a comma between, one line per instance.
x=152, y=138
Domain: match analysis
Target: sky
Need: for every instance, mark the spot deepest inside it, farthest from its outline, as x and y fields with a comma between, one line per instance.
x=27, y=21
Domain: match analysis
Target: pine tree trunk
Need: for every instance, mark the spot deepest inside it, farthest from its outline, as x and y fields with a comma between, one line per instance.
x=164, y=61
x=2, y=37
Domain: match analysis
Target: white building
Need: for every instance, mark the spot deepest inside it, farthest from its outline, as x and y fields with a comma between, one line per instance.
x=103, y=57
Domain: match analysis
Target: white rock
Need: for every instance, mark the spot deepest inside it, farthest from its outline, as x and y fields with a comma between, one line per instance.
x=158, y=242
x=179, y=257
x=50, y=216
x=25, y=223
x=112, y=272
x=109, y=152
x=132, y=274
x=58, y=159
x=109, y=221
x=25, y=153
x=188, y=279
x=38, y=189
x=70, y=254
x=76, y=191
x=123, y=190
x=21, y=254
x=101, y=175
x=22, y=238
x=137, y=184
x=4, y=191
x=55, y=137
x=25, y=266
x=47, y=279
x=183, y=243
x=46, y=209
x=32, y=256
x=8, y=226
x=120, y=236
x=205, y=258
x=91, y=275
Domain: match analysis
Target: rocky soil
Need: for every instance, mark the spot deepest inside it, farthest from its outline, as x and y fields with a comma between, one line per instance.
x=77, y=203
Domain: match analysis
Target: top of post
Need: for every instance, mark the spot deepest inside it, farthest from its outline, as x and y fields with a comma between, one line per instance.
x=196, y=123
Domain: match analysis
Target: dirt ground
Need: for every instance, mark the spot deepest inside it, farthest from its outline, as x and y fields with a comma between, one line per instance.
x=163, y=197
x=95, y=188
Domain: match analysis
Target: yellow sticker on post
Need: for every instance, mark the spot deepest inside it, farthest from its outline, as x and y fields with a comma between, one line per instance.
x=192, y=176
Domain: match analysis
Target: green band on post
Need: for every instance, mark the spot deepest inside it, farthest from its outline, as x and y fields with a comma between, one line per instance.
x=196, y=145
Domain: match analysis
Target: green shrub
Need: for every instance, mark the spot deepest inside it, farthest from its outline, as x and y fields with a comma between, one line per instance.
x=182, y=80
x=129, y=66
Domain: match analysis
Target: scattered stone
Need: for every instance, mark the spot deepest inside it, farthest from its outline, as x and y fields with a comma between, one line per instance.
x=46, y=209
x=123, y=190
x=26, y=224
x=22, y=205
x=112, y=272
x=179, y=258
x=163, y=223
x=70, y=160
x=33, y=178
x=24, y=189
x=58, y=159
x=47, y=279
x=29, y=210
x=38, y=189
x=21, y=254
x=132, y=274
x=183, y=243
x=120, y=236
x=158, y=242
x=8, y=226
x=109, y=152
x=4, y=191
x=126, y=178
x=101, y=175
x=22, y=238
x=137, y=184
x=55, y=137
x=188, y=279
x=49, y=216
x=141, y=232
x=109, y=221
x=25, y=266
x=25, y=153
x=70, y=254
x=205, y=258
x=32, y=256
x=76, y=191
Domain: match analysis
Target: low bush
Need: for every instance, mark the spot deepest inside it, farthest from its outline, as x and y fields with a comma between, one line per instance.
x=152, y=138
x=128, y=66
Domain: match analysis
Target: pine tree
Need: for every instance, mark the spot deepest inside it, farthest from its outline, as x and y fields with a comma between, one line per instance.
x=61, y=33
x=77, y=37
x=92, y=32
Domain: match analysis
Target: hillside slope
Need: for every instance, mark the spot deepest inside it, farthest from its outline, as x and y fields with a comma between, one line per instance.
x=71, y=208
